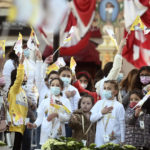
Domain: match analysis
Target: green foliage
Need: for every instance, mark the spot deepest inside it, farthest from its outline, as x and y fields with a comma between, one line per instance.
x=64, y=143
x=2, y=144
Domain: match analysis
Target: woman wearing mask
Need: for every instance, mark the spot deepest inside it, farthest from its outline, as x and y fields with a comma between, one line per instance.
x=53, y=112
x=142, y=79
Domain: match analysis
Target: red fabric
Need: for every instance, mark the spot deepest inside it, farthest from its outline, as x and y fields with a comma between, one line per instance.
x=72, y=21
x=146, y=18
x=72, y=50
x=128, y=50
x=81, y=89
x=145, y=3
x=85, y=9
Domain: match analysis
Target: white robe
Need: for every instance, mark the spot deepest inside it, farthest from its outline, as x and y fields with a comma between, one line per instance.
x=116, y=123
x=50, y=129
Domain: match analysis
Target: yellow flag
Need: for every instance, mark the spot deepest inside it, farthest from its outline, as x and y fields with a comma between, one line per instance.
x=2, y=47
x=52, y=67
x=73, y=65
x=137, y=24
x=56, y=106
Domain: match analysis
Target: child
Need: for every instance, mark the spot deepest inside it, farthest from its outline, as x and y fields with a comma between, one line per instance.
x=69, y=91
x=18, y=105
x=109, y=115
x=83, y=129
x=53, y=112
x=137, y=123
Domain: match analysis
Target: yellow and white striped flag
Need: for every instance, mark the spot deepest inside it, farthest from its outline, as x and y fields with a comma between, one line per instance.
x=52, y=67
x=73, y=65
x=2, y=48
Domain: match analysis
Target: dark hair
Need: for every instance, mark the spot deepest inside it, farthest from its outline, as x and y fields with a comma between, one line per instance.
x=48, y=76
x=129, y=82
x=85, y=96
x=107, y=68
x=13, y=77
x=137, y=92
x=60, y=81
x=66, y=68
x=98, y=76
x=114, y=82
x=13, y=57
x=138, y=83
x=88, y=77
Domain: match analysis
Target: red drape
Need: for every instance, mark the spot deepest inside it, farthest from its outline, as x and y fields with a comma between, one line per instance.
x=85, y=9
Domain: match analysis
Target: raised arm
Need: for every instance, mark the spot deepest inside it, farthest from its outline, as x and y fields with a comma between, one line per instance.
x=20, y=76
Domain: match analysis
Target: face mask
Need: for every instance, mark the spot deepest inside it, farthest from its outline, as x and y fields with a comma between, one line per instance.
x=145, y=79
x=120, y=77
x=55, y=90
x=26, y=53
x=66, y=81
x=84, y=85
x=132, y=104
x=107, y=94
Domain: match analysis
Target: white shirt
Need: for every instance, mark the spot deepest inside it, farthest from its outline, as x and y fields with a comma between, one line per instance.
x=114, y=122
x=51, y=129
x=8, y=68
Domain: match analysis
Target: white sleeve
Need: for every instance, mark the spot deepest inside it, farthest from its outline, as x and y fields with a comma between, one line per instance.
x=117, y=64
x=8, y=68
x=64, y=117
x=121, y=118
x=39, y=78
x=40, y=114
x=96, y=113
x=75, y=100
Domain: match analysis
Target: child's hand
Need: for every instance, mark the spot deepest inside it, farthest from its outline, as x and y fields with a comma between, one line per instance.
x=107, y=110
x=137, y=112
x=22, y=59
x=31, y=125
x=122, y=43
x=49, y=59
x=70, y=94
x=52, y=116
x=38, y=55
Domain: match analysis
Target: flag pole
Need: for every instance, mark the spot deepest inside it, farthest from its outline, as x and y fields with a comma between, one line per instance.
x=56, y=46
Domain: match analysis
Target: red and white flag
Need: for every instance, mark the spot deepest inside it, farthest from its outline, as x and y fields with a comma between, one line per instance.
x=137, y=49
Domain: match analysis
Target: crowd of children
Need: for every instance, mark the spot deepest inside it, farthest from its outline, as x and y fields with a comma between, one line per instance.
x=63, y=104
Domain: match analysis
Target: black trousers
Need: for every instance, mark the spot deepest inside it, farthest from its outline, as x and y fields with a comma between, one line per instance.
x=17, y=141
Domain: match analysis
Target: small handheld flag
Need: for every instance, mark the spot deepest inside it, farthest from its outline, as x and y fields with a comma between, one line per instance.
x=18, y=45
x=2, y=48
x=33, y=41
x=52, y=67
x=73, y=65
x=137, y=24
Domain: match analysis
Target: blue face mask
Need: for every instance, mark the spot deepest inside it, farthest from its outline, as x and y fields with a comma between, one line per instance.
x=120, y=77
x=66, y=80
x=107, y=94
x=26, y=53
x=55, y=90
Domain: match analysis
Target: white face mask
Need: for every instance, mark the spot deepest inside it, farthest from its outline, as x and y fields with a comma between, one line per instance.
x=84, y=85
x=109, y=10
